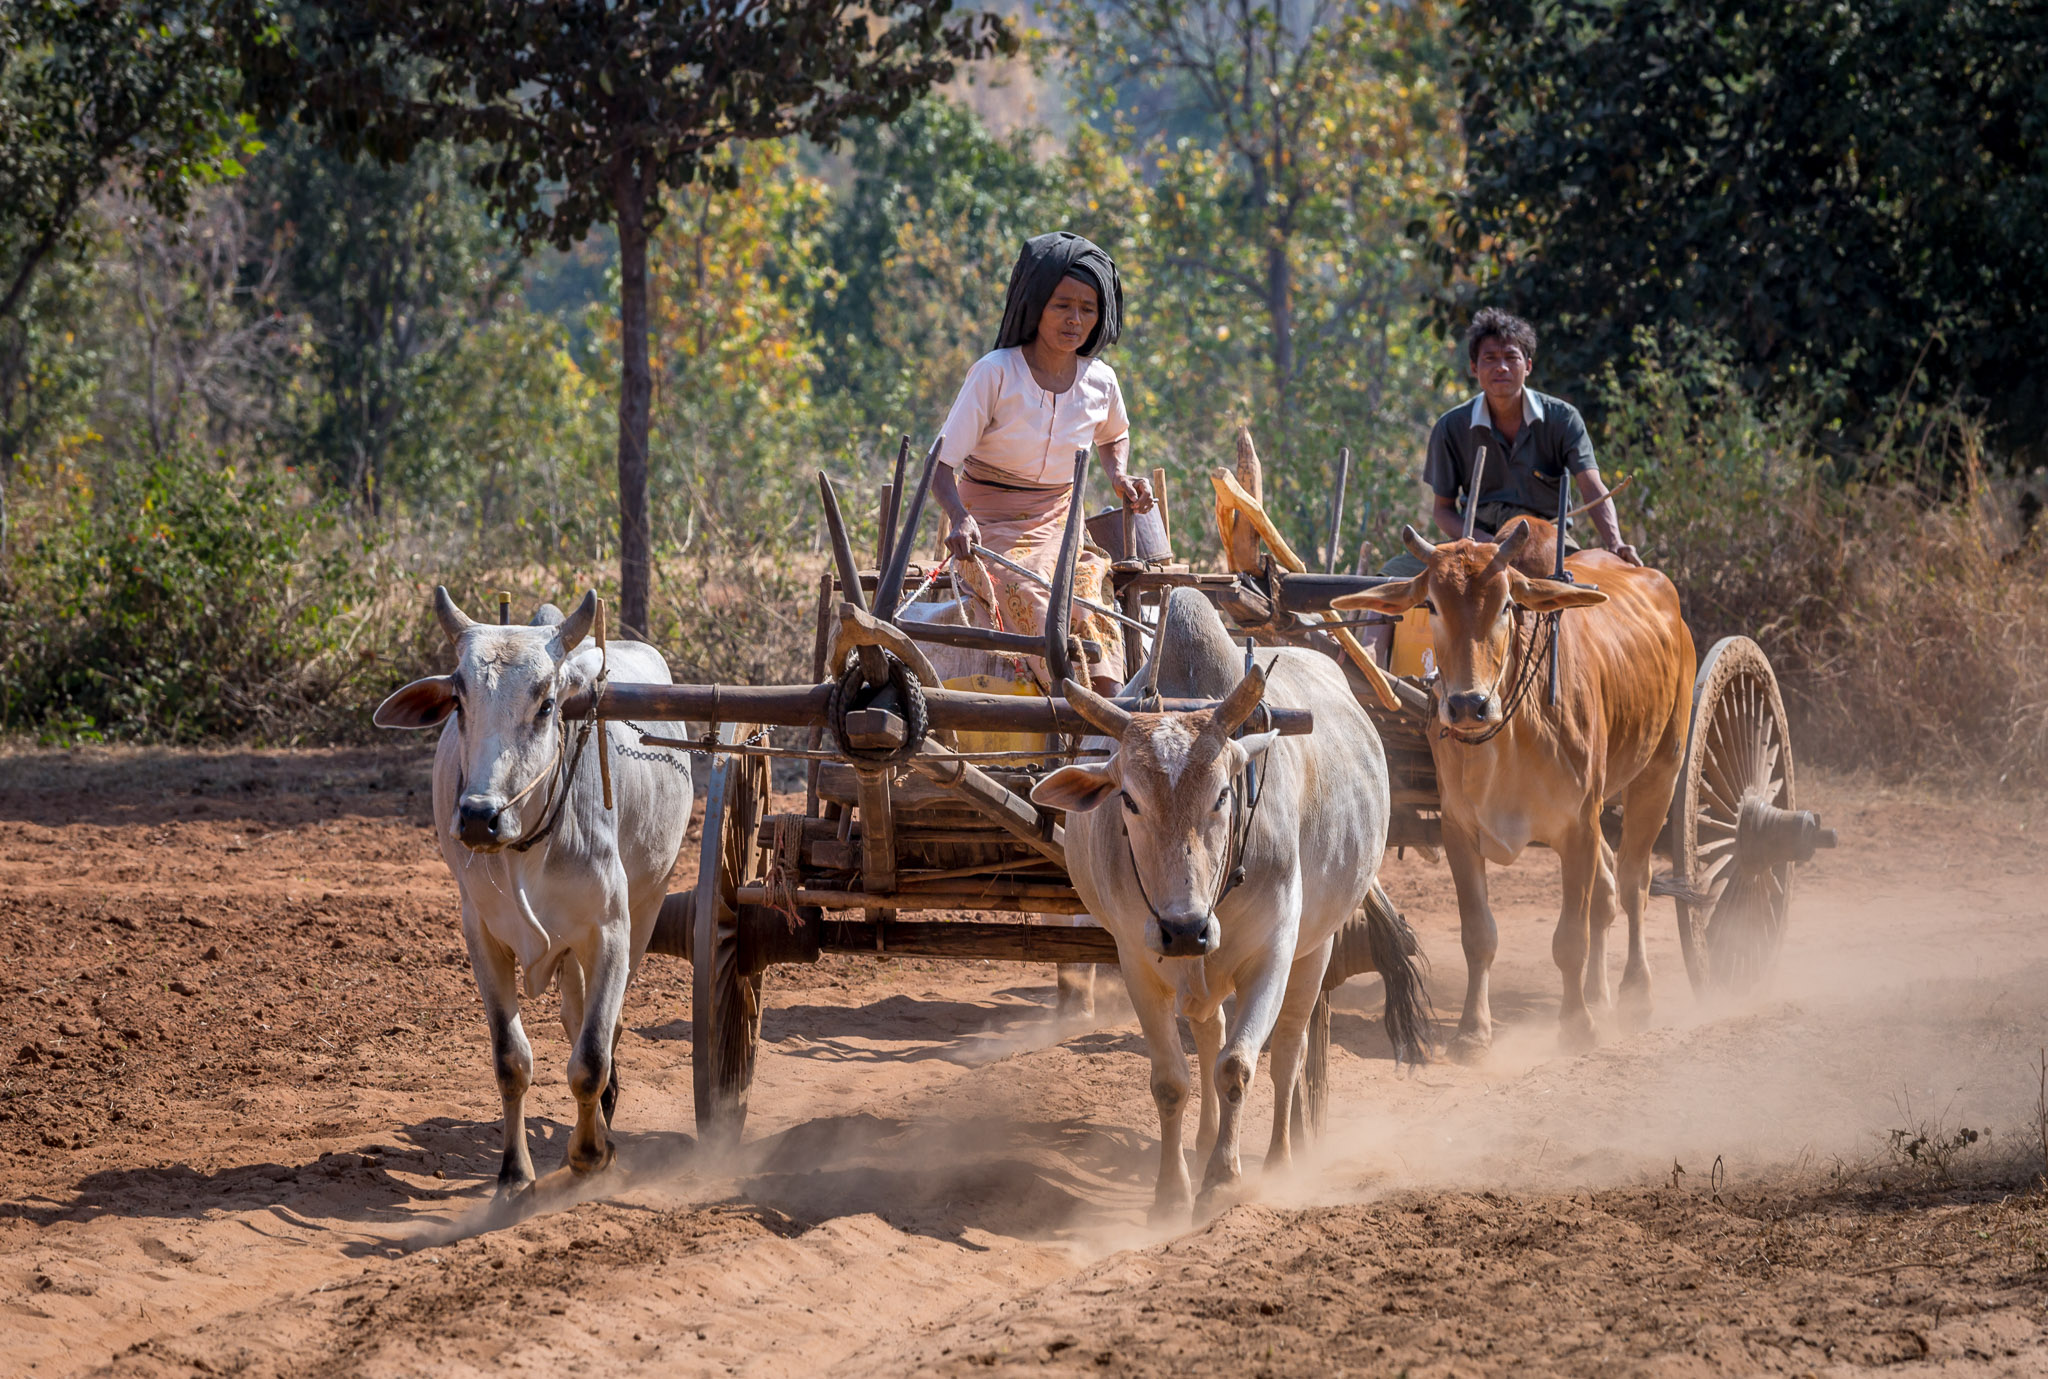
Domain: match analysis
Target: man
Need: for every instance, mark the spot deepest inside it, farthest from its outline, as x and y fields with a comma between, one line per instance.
x=1531, y=441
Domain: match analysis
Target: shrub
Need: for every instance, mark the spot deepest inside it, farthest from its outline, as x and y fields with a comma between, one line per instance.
x=177, y=602
x=1908, y=625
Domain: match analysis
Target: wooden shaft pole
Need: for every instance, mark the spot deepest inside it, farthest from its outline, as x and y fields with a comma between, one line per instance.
x=799, y=706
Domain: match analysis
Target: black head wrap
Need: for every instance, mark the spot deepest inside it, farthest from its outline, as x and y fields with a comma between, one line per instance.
x=1044, y=262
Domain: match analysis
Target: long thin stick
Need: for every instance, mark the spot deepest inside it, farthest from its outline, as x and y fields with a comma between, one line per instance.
x=1060, y=615
x=1042, y=582
x=1337, y=506
x=889, y=591
x=1472, y=494
x=842, y=549
x=1584, y=508
x=895, y=499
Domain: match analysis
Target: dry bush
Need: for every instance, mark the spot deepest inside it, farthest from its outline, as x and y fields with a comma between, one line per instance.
x=745, y=619
x=1905, y=612
x=1916, y=645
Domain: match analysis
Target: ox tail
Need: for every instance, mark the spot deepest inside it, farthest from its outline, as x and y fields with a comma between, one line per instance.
x=1397, y=957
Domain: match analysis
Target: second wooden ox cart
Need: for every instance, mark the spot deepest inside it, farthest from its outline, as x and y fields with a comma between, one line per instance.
x=899, y=816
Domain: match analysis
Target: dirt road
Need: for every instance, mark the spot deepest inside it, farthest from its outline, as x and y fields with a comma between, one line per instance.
x=247, y=1126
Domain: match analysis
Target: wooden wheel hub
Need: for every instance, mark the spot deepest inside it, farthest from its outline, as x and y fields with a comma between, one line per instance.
x=1767, y=836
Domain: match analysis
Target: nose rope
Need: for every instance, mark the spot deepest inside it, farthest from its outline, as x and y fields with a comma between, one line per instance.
x=557, y=798
x=1530, y=661
x=561, y=796
x=1233, y=873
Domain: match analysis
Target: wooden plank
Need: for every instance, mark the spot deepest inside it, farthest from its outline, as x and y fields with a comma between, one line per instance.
x=877, y=832
x=1045, y=904
x=800, y=706
x=995, y=801
x=971, y=939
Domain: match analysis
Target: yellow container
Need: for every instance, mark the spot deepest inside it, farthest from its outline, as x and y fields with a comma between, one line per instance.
x=998, y=742
x=1414, y=653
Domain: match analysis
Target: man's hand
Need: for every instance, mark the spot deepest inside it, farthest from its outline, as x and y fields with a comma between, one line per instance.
x=1135, y=490
x=964, y=537
x=1628, y=553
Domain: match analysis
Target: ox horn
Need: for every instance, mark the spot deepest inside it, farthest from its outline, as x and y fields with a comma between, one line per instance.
x=574, y=628
x=1100, y=714
x=1418, y=545
x=453, y=620
x=1240, y=705
x=1506, y=549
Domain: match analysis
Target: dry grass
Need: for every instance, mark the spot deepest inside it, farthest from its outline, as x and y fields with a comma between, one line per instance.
x=717, y=618
x=1912, y=639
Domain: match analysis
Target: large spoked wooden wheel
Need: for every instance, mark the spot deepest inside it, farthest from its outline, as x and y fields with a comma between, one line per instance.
x=1733, y=896
x=725, y=1014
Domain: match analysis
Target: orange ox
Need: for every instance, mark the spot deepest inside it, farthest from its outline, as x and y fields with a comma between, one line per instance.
x=1515, y=769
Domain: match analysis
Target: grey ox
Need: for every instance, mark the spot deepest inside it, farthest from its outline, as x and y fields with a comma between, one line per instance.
x=553, y=884
x=1211, y=894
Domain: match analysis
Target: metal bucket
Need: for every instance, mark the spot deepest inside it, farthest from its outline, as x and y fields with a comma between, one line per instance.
x=1148, y=534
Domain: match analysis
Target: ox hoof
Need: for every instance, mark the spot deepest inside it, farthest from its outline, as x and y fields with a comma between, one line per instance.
x=1471, y=1049
x=1169, y=1211
x=1577, y=1036
x=584, y=1164
x=1215, y=1200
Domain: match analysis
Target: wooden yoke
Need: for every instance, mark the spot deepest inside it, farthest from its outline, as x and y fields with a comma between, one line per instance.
x=1248, y=517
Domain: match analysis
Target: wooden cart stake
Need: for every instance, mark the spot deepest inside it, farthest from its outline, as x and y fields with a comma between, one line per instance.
x=604, y=730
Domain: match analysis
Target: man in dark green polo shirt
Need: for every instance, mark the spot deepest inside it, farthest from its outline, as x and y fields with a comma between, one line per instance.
x=1531, y=440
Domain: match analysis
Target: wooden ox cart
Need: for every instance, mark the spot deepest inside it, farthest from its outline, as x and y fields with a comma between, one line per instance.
x=897, y=820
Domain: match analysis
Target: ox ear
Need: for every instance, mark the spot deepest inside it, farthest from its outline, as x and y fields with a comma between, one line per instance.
x=421, y=704
x=1549, y=595
x=574, y=628
x=1255, y=745
x=1077, y=789
x=1388, y=598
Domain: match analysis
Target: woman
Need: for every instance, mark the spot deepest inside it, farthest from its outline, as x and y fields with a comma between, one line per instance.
x=1007, y=466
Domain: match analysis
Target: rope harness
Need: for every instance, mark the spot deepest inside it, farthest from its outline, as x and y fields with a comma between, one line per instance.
x=1531, y=660
x=847, y=695
x=560, y=795
x=1244, y=810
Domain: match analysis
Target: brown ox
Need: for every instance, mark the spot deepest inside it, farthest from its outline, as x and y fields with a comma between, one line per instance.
x=1514, y=769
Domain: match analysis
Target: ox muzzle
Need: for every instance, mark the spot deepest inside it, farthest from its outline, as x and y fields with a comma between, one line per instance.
x=481, y=823
x=1184, y=935
x=1468, y=708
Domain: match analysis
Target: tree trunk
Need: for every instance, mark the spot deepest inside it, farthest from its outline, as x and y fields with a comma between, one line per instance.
x=636, y=388
x=1280, y=312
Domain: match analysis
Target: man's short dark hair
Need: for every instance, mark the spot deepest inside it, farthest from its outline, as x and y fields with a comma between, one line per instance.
x=1494, y=324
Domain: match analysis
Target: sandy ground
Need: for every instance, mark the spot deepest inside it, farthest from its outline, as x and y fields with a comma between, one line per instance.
x=247, y=1127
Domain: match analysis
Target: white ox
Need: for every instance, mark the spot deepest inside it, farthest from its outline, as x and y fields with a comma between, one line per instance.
x=553, y=885
x=1154, y=835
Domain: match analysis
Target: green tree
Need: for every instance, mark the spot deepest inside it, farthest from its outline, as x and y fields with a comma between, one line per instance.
x=390, y=267
x=922, y=243
x=589, y=108
x=1284, y=149
x=91, y=91
x=1857, y=190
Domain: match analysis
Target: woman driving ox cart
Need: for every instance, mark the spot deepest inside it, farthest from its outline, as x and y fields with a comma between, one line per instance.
x=1006, y=464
